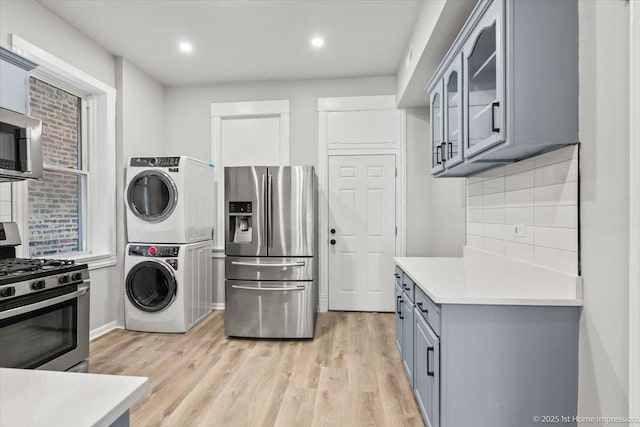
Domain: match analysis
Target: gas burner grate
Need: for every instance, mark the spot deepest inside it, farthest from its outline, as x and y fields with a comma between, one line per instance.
x=16, y=266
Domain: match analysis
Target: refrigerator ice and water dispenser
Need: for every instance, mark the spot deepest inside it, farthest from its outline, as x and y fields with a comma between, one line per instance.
x=240, y=222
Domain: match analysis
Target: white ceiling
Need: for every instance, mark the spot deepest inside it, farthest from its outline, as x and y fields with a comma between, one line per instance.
x=248, y=40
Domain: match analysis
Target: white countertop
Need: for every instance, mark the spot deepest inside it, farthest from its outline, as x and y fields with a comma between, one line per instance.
x=483, y=278
x=30, y=398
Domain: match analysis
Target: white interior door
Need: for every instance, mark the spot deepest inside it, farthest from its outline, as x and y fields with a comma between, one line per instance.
x=252, y=133
x=362, y=199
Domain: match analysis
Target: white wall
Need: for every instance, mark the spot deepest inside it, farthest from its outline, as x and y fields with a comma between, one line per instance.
x=188, y=109
x=604, y=133
x=36, y=24
x=435, y=206
x=139, y=132
x=140, y=121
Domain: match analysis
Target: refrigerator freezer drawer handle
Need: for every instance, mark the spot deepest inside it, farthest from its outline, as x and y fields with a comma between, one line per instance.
x=251, y=288
x=253, y=264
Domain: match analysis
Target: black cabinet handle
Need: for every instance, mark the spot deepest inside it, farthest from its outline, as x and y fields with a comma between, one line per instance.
x=397, y=276
x=444, y=151
x=450, y=150
x=422, y=309
x=398, y=311
x=429, y=371
x=399, y=307
x=406, y=288
x=493, y=116
x=438, y=154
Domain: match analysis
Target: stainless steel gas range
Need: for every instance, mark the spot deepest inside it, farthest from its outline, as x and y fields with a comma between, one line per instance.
x=44, y=310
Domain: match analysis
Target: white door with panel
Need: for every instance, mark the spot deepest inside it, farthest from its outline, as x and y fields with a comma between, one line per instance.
x=362, y=228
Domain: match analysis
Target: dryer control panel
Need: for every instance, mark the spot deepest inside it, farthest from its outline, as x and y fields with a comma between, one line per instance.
x=162, y=162
x=154, y=251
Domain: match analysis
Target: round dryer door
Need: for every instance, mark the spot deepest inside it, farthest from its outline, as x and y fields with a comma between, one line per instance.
x=152, y=195
x=151, y=286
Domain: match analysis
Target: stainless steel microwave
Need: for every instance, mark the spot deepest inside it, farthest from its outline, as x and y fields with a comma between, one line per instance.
x=20, y=146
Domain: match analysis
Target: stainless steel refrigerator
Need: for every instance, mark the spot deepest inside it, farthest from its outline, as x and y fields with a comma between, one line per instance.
x=271, y=234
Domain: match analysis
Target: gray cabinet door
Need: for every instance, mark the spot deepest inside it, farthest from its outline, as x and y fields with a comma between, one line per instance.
x=452, y=95
x=407, y=337
x=484, y=82
x=437, y=129
x=427, y=371
x=399, y=318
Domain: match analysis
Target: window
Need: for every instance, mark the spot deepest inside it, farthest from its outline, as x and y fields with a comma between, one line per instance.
x=71, y=212
x=57, y=202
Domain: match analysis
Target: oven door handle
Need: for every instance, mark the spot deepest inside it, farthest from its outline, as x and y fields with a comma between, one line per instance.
x=82, y=290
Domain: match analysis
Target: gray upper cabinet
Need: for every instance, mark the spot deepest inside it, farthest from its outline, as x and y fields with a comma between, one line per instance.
x=437, y=129
x=483, y=55
x=519, y=86
x=453, y=133
x=14, y=74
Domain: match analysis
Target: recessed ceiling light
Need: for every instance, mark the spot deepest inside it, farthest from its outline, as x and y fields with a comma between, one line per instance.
x=317, y=42
x=185, y=47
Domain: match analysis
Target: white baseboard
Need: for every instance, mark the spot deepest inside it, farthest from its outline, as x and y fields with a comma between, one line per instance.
x=217, y=306
x=104, y=329
x=323, y=303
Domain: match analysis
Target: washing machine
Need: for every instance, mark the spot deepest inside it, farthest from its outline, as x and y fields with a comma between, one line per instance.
x=169, y=200
x=168, y=288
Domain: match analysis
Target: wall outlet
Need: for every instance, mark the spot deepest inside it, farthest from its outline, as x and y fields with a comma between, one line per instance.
x=519, y=230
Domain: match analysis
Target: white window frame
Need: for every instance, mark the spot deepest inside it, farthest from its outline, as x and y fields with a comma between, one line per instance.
x=99, y=154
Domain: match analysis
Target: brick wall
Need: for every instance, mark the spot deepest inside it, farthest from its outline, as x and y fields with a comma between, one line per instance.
x=54, y=203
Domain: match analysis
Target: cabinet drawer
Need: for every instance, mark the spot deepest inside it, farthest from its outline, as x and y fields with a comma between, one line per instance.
x=429, y=310
x=398, y=276
x=408, y=287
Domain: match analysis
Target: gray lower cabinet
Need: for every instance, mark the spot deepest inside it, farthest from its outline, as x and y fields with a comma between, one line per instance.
x=399, y=318
x=426, y=376
x=407, y=337
x=489, y=365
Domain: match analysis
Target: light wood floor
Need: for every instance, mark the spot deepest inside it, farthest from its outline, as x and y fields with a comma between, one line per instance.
x=349, y=375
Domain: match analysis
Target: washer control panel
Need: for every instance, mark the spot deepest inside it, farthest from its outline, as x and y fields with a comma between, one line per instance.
x=154, y=251
x=162, y=162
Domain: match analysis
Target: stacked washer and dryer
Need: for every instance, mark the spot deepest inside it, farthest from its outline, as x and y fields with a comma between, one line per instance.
x=168, y=268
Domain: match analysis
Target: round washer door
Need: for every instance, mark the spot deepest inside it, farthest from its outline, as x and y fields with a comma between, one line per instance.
x=151, y=286
x=152, y=195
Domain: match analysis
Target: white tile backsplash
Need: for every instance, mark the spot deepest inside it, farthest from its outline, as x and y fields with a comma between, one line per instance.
x=5, y=202
x=540, y=193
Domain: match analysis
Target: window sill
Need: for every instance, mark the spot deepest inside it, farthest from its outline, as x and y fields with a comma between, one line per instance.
x=94, y=261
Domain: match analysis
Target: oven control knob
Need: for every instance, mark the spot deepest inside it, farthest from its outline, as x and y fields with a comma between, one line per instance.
x=36, y=286
x=7, y=292
x=63, y=279
x=76, y=276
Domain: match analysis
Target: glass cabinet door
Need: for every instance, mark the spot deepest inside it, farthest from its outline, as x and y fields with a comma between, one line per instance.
x=437, y=129
x=484, y=82
x=453, y=113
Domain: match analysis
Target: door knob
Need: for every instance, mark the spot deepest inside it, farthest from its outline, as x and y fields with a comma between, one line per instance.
x=333, y=231
x=332, y=241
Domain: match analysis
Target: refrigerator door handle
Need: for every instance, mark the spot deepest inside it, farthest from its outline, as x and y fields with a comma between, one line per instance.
x=254, y=288
x=254, y=264
x=270, y=212
x=263, y=231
